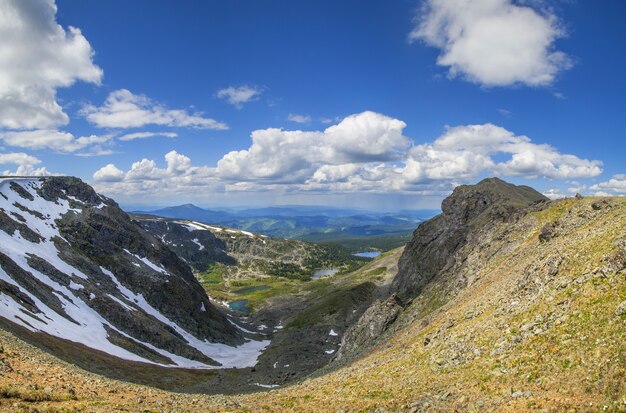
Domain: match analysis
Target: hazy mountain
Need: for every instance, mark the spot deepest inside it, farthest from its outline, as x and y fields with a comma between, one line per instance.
x=302, y=222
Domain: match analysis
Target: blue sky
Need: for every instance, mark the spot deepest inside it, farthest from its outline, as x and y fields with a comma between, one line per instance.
x=417, y=96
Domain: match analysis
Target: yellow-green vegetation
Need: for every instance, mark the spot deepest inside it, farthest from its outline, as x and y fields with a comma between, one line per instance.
x=230, y=290
x=338, y=301
x=33, y=394
x=259, y=290
x=540, y=326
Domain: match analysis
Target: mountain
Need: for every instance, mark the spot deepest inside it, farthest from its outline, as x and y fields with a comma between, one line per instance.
x=470, y=209
x=522, y=307
x=243, y=254
x=192, y=212
x=317, y=224
x=74, y=266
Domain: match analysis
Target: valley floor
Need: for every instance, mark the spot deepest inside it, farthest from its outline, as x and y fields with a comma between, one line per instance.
x=541, y=327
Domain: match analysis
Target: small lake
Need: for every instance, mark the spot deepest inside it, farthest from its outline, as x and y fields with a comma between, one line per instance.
x=240, y=305
x=368, y=254
x=324, y=273
x=251, y=289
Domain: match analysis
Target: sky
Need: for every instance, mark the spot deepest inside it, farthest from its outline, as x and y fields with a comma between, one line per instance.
x=378, y=104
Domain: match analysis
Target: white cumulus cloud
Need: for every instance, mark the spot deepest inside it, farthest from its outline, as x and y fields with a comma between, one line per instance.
x=616, y=185
x=51, y=139
x=123, y=109
x=239, y=95
x=493, y=42
x=178, y=176
x=25, y=164
x=38, y=56
x=108, y=173
x=463, y=152
x=282, y=155
x=364, y=152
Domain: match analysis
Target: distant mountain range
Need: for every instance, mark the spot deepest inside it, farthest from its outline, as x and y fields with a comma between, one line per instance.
x=303, y=222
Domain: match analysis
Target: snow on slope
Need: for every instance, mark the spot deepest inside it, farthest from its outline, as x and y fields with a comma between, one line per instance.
x=197, y=226
x=89, y=328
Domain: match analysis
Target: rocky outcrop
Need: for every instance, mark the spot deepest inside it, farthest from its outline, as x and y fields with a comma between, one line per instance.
x=370, y=326
x=436, y=252
x=468, y=211
x=197, y=247
x=75, y=266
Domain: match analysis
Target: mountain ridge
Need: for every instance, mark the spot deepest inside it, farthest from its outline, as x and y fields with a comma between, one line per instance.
x=73, y=265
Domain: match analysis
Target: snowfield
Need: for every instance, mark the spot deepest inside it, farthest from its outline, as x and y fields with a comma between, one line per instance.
x=81, y=323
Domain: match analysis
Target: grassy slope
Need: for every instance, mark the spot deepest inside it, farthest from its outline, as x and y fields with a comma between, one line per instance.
x=520, y=338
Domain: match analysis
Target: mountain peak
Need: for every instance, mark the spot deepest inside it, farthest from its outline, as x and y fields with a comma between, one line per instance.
x=470, y=201
x=468, y=208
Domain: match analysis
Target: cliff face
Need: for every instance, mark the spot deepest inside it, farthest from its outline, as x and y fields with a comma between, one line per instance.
x=468, y=211
x=73, y=265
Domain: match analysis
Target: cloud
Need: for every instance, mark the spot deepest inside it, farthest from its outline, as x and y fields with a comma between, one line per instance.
x=365, y=152
x=463, y=152
x=299, y=118
x=178, y=176
x=38, y=56
x=123, y=109
x=237, y=96
x=51, y=139
x=614, y=186
x=26, y=164
x=108, y=173
x=144, y=135
x=276, y=154
x=554, y=193
x=494, y=42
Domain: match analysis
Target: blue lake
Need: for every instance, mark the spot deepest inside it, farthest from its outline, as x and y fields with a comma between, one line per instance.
x=240, y=305
x=368, y=254
x=323, y=273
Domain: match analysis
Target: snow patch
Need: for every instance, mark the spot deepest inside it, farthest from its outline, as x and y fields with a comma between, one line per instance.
x=149, y=263
x=76, y=286
x=197, y=242
x=267, y=386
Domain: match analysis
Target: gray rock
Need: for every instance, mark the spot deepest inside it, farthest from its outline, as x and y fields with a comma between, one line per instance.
x=370, y=326
x=466, y=211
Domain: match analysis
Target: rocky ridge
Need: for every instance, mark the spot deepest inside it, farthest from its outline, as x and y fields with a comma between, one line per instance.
x=242, y=254
x=73, y=265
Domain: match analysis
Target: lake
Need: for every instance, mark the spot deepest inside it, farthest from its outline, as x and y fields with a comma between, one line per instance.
x=367, y=254
x=240, y=305
x=323, y=273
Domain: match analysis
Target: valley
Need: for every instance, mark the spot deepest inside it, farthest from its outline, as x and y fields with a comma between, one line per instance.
x=504, y=302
